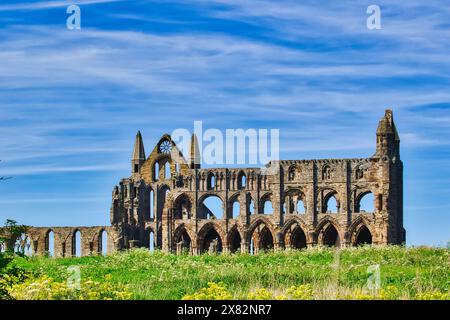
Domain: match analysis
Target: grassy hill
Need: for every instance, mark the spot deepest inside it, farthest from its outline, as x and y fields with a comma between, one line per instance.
x=319, y=273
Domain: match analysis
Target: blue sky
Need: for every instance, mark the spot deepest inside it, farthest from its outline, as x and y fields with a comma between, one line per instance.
x=72, y=101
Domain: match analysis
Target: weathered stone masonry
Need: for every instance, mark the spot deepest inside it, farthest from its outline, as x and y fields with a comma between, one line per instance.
x=164, y=197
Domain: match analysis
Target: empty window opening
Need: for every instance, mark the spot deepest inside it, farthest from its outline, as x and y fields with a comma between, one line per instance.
x=268, y=208
x=242, y=181
x=211, y=182
x=50, y=244
x=152, y=205
x=156, y=170
x=236, y=209
x=366, y=203
x=251, y=207
x=151, y=244
x=300, y=207
x=211, y=208
x=331, y=205
x=167, y=174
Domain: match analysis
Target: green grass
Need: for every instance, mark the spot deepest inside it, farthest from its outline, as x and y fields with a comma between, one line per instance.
x=165, y=276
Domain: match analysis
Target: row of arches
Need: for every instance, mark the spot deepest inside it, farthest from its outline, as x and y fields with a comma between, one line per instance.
x=326, y=172
x=162, y=169
x=364, y=202
x=212, y=207
x=261, y=238
x=211, y=181
x=76, y=244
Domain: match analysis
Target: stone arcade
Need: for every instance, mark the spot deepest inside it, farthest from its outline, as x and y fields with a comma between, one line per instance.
x=163, y=202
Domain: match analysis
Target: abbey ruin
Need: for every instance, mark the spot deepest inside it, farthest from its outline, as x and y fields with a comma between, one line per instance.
x=163, y=204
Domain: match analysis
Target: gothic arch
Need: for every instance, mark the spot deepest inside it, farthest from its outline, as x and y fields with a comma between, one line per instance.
x=292, y=221
x=293, y=199
x=182, y=228
x=182, y=207
x=265, y=198
x=207, y=234
x=47, y=241
x=356, y=227
x=211, y=194
x=292, y=172
x=362, y=236
x=329, y=233
x=235, y=198
x=263, y=235
x=75, y=243
x=211, y=180
x=328, y=194
x=359, y=196
x=293, y=231
x=148, y=232
x=203, y=210
x=241, y=180
x=102, y=247
x=234, y=238
x=161, y=200
x=250, y=206
x=183, y=238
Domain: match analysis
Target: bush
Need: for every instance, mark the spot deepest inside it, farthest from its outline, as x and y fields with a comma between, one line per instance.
x=301, y=292
x=10, y=274
x=45, y=288
x=260, y=294
x=214, y=291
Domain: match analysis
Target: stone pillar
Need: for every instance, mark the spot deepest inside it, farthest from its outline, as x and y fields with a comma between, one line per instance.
x=244, y=246
x=311, y=240
x=195, y=250
x=179, y=248
x=278, y=243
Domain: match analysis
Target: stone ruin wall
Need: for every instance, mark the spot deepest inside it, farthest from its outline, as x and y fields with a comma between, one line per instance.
x=181, y=222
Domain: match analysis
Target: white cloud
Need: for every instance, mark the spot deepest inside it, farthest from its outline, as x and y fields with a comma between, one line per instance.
x=42, y=169
x=39, y=5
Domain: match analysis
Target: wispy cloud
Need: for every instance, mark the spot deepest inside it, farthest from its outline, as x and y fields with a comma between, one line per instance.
x=40, y=5
x=71, y=102
x=19, y=171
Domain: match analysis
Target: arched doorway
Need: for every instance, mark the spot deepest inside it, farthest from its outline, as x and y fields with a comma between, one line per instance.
x=50, y=243
x=103, y=243
x=183, y=242
x=235, y=241
x=76, y=244
x=298, y=239
x=364, y=236
x=265, y=240
x=260, y=238
x=211, y=241
x=331, y=237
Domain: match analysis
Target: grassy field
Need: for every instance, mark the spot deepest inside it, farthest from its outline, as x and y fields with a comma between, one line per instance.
x=317, y=273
